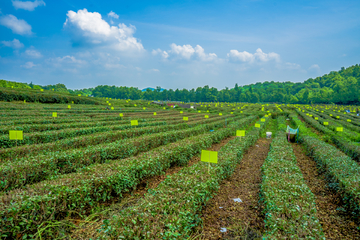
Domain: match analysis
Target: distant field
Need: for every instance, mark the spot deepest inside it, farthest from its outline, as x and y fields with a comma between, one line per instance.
x=123, y=169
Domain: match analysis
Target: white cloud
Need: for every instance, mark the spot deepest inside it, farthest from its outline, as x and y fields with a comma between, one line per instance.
x=203, y=56
x=18, y=26
x=264, y=57
x=33, y=53
x=28, y=65
x=27, y=5
x=259, y=56
x=113, y=15
x=164, y=54
x=90, y=27
x=186, y=52
x=242, y=56
x=314, y=66
x=66, y=61
x=69, y=59
x=13, y=44
x=292, y=65
x=154, y=70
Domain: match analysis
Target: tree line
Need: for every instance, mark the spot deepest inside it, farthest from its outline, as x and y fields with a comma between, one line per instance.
x=340, y=87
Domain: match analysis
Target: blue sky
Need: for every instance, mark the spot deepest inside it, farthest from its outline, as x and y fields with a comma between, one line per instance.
x=175, y=44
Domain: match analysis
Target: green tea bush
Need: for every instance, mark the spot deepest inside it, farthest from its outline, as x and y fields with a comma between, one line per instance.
x=289, y=205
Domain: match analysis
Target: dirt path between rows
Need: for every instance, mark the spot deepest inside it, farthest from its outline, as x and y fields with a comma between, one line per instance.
x=335, y=222
x=242, y=220
x=87, y=231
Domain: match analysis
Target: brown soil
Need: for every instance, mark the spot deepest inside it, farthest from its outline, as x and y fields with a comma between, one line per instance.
x=242, y=220
x=88, y=230
x=301, y=118
x=336, y=223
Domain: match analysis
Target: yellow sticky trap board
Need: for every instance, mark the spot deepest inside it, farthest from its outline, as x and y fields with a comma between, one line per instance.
x=240, y=133
x=199, y=111
x=231, y=113
x=135, y=105
x=263, y=120
x=257, y=125
x=53, y=89
x=121, y=114
x=54, y=114
x=72, y=102
x=112, y=108
x=109, y=104
x=69, y=106
x=107, y=101
x=266, y=115
x=220, y=114
x=42, y=90
x=339, y=129
x=79, y=95
x=349, y=120
x=206, y=116
x=12, y=86
x=241, y=111
x=15, y=135
x=144, y=108
x=185, y=118
x=209, y=156
x=337, y=117
x=134, y=122
x=181, y=112
x=326, y=123
x=24, y=101
x=316, y=118
x=154, y=113
x=330, y=115
x=207, y=111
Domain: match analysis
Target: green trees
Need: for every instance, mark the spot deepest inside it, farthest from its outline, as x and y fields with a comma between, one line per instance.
x=342, y=87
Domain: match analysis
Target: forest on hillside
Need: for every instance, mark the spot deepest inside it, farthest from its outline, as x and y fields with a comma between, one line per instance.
x=340, y=87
